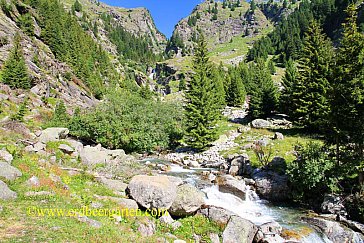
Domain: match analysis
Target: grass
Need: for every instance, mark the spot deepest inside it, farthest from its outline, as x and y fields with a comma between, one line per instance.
x=280, y=148
x=17, y=225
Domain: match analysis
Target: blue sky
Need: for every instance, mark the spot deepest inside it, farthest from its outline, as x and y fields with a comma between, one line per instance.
x=166, y=13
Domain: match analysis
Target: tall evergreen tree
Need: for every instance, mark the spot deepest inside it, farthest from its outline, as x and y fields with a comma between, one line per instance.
x=313, y=82
x=236, y=90
x=202, y=108
x=15, y=73
x=262, y=91
x=347, y=100
x=289, y=82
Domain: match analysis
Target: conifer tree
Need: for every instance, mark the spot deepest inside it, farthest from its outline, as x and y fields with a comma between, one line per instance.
x=15, y=73
x=19, y=116
x=202, y=108
x=286, y=102
x=347, y=100
x=313, y=82
x=263, y=92
x=236, y=91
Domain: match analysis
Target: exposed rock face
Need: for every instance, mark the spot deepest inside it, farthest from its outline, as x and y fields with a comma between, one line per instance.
x=271, y=186
x=115, y=185
x=240, y=165
x=334, y=231
x=9, y=172
x=151, y=192
x=92, y=156
x=147, y=228
x=6, y=193
x=229, y=24
x=269, y=232
x=239, y=230
x=189, y=199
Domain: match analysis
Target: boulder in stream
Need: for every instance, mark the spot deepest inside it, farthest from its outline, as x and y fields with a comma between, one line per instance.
x=239, y=230
x=157, y=192
x=189, y=199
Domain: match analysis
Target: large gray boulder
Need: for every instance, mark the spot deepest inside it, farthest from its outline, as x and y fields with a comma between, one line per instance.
x=240, y=165
x=6, y=193
x=9, y=172
x=334, y=230
x=271, y=186
x=229, y=184
x=92, y=156
x=218, y=215
x=189, y=199
x=150, y=192
x=53, y=134
x=239, y=230
x=260, y=123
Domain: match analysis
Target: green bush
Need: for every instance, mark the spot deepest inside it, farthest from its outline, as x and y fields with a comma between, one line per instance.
x=311, y=173
x=130, y=122
x=355, y=207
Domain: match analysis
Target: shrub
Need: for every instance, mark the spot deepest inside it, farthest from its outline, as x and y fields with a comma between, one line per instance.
x=130, y=122
x=311, y=173
x=19, y=116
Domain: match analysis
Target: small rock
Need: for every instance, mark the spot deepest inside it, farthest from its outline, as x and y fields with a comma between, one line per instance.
x=147, y=228
x=278, y=136
x=127, y=203
x=179, y=241
x=5, y=155
x=229, y=184
x=96, y=205
x=66, y=149
x=115, y=185
x=194, y=164
x=6, y=193
x=333, y=204
x=175, y=225
x=166, y=219
x=33, y=181
x=212, y=177
x=9, y=172
x=260, y=123
x=218, y=215
x=214, y=238
x=91, y=222
x=39, y=146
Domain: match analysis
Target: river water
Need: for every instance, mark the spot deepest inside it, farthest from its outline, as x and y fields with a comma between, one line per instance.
x=251, y=208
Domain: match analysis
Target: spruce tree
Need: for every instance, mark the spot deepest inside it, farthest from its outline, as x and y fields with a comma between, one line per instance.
x=262, y=91
x=15, y=73
x=286, y=102
x=347, y=99
x=313, y=81
x=236, y=91
x=202, y=108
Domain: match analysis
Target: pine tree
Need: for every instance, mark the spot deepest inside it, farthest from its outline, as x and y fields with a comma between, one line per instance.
x=15, y=73
x=271, y=67
x=347, y=99
x=19, y=116
x=236, y=91
x=263, y=92
x=286, y=102
x=253, y=6
x=201, y=109
x=313, y=82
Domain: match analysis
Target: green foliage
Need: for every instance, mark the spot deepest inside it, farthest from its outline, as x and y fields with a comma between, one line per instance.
x=346, y=100
x=130, y=122
x=271, y=67
x=235, y=95
x=289, y=82
x=19, y=116
x=60, y=117
x=5, y=7
x=26, y=24
x=253, y=6
x=15, y=73
x=202, y=108
x=262, y=91
x=355, y=207
x=77, y=6
x=310, y=174
x=71, y=44
x=128, y=45
x=310, y=91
